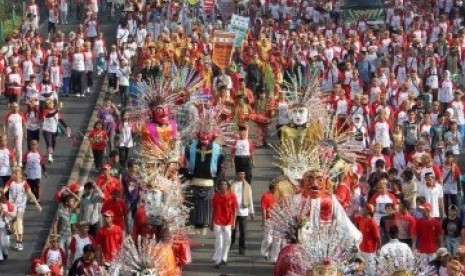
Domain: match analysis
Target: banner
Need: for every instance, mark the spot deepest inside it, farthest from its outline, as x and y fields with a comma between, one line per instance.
x=223, y=46
x=240, y=26
x=226, y=8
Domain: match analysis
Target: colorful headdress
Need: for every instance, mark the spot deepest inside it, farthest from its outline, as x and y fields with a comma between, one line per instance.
x=164, y=199
x=145, y=259
x=209, y=121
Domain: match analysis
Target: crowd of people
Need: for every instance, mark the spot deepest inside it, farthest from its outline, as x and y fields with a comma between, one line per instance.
x=390, y=96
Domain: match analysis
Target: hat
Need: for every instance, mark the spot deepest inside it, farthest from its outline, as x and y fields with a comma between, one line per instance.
x=359, y=258
x=107, y=166
x=75, y=187
x=442, y=252
x=42, y=269
x=426, y=206
x=109, y=213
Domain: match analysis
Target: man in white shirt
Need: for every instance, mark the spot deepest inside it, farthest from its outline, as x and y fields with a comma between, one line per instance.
x=434, y=195
x=243, y=192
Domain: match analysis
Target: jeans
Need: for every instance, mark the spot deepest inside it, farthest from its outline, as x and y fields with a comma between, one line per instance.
x=78, y=80
x=451, y=244
x=124, y=95
x=124, y=156
x=241, y=222
x=66, y=86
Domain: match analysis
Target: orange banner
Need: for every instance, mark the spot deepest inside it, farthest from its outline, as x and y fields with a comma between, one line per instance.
x=223, y=46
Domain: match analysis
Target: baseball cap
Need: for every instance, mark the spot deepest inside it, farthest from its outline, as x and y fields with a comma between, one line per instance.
x=107, y=166
x=75, y=187
x=426, y=206
x=109, y=213
x=442, y=252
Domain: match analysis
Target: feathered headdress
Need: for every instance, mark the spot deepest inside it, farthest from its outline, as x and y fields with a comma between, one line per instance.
x=209, y=120
x=146, y=258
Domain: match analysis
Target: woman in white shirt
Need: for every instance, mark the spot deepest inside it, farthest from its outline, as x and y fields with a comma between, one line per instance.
x=126, y=130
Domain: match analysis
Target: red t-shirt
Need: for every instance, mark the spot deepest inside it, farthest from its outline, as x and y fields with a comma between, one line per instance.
x=370, y=232
x=428, y=231
x=407, y=226
x=108, y=188
x=119, y=208
x=99, y=139
x=267, y=202
x=109, y=238
x=224, y=208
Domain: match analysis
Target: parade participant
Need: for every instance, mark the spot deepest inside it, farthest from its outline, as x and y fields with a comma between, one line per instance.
x=262, y=109
x=89, y=206
x=15, y=127
x=118, y=207
x=7, y=213
x=87, y=264
x=224, y=206
x=79, y=241
x=34, y=166
x=242, y=111
x=243, y=193
x=18, y=190
x=204, y=160
x=242, y=153
x=54, y=255
x=107, y=183
x=109, y=239
x=429, y=233
x=7, y=160
x=398, y=253
x=371, y=240
x=52, y=121
x=98, y=142
x=269, y=248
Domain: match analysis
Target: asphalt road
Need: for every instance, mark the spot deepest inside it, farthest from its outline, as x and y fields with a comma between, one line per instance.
x=252, y=263
x=76, y=113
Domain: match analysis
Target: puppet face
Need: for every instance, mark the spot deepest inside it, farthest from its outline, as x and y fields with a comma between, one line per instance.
x=299, y=115
x=205, y=138
x=296, y=167
x=160, y=114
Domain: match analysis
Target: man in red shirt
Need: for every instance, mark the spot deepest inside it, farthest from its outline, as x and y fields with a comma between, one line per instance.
x=109, y=238
x=107, y=183
x=429, y=233
x=371, y=237
x=224, y=205
x=406, y=224
x=118, y=207
x=269, y=249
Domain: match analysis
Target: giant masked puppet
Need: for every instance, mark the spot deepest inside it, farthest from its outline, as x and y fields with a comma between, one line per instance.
x=204, y=161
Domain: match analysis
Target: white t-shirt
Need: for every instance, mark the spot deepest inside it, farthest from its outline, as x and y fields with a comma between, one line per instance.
x=5, y=164
x=126, y=136
x=123, y=76
x=382, y=134
x=78, y=62
x=18, y=194
x=33, y=165
x=242, y=148
x=432, y=196
x=15, y=124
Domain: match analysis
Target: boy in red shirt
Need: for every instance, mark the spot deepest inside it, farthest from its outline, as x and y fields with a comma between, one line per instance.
x=269, y=249
x=371, y=241
x=224, y=205
x=109, y=238
x=429, y=233
x=107, y=183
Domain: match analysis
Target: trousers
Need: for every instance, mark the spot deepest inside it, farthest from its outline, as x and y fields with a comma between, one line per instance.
x=241, y=223
x=222, y=242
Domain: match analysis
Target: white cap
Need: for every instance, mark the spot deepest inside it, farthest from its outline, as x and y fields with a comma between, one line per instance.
x=42, y=269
